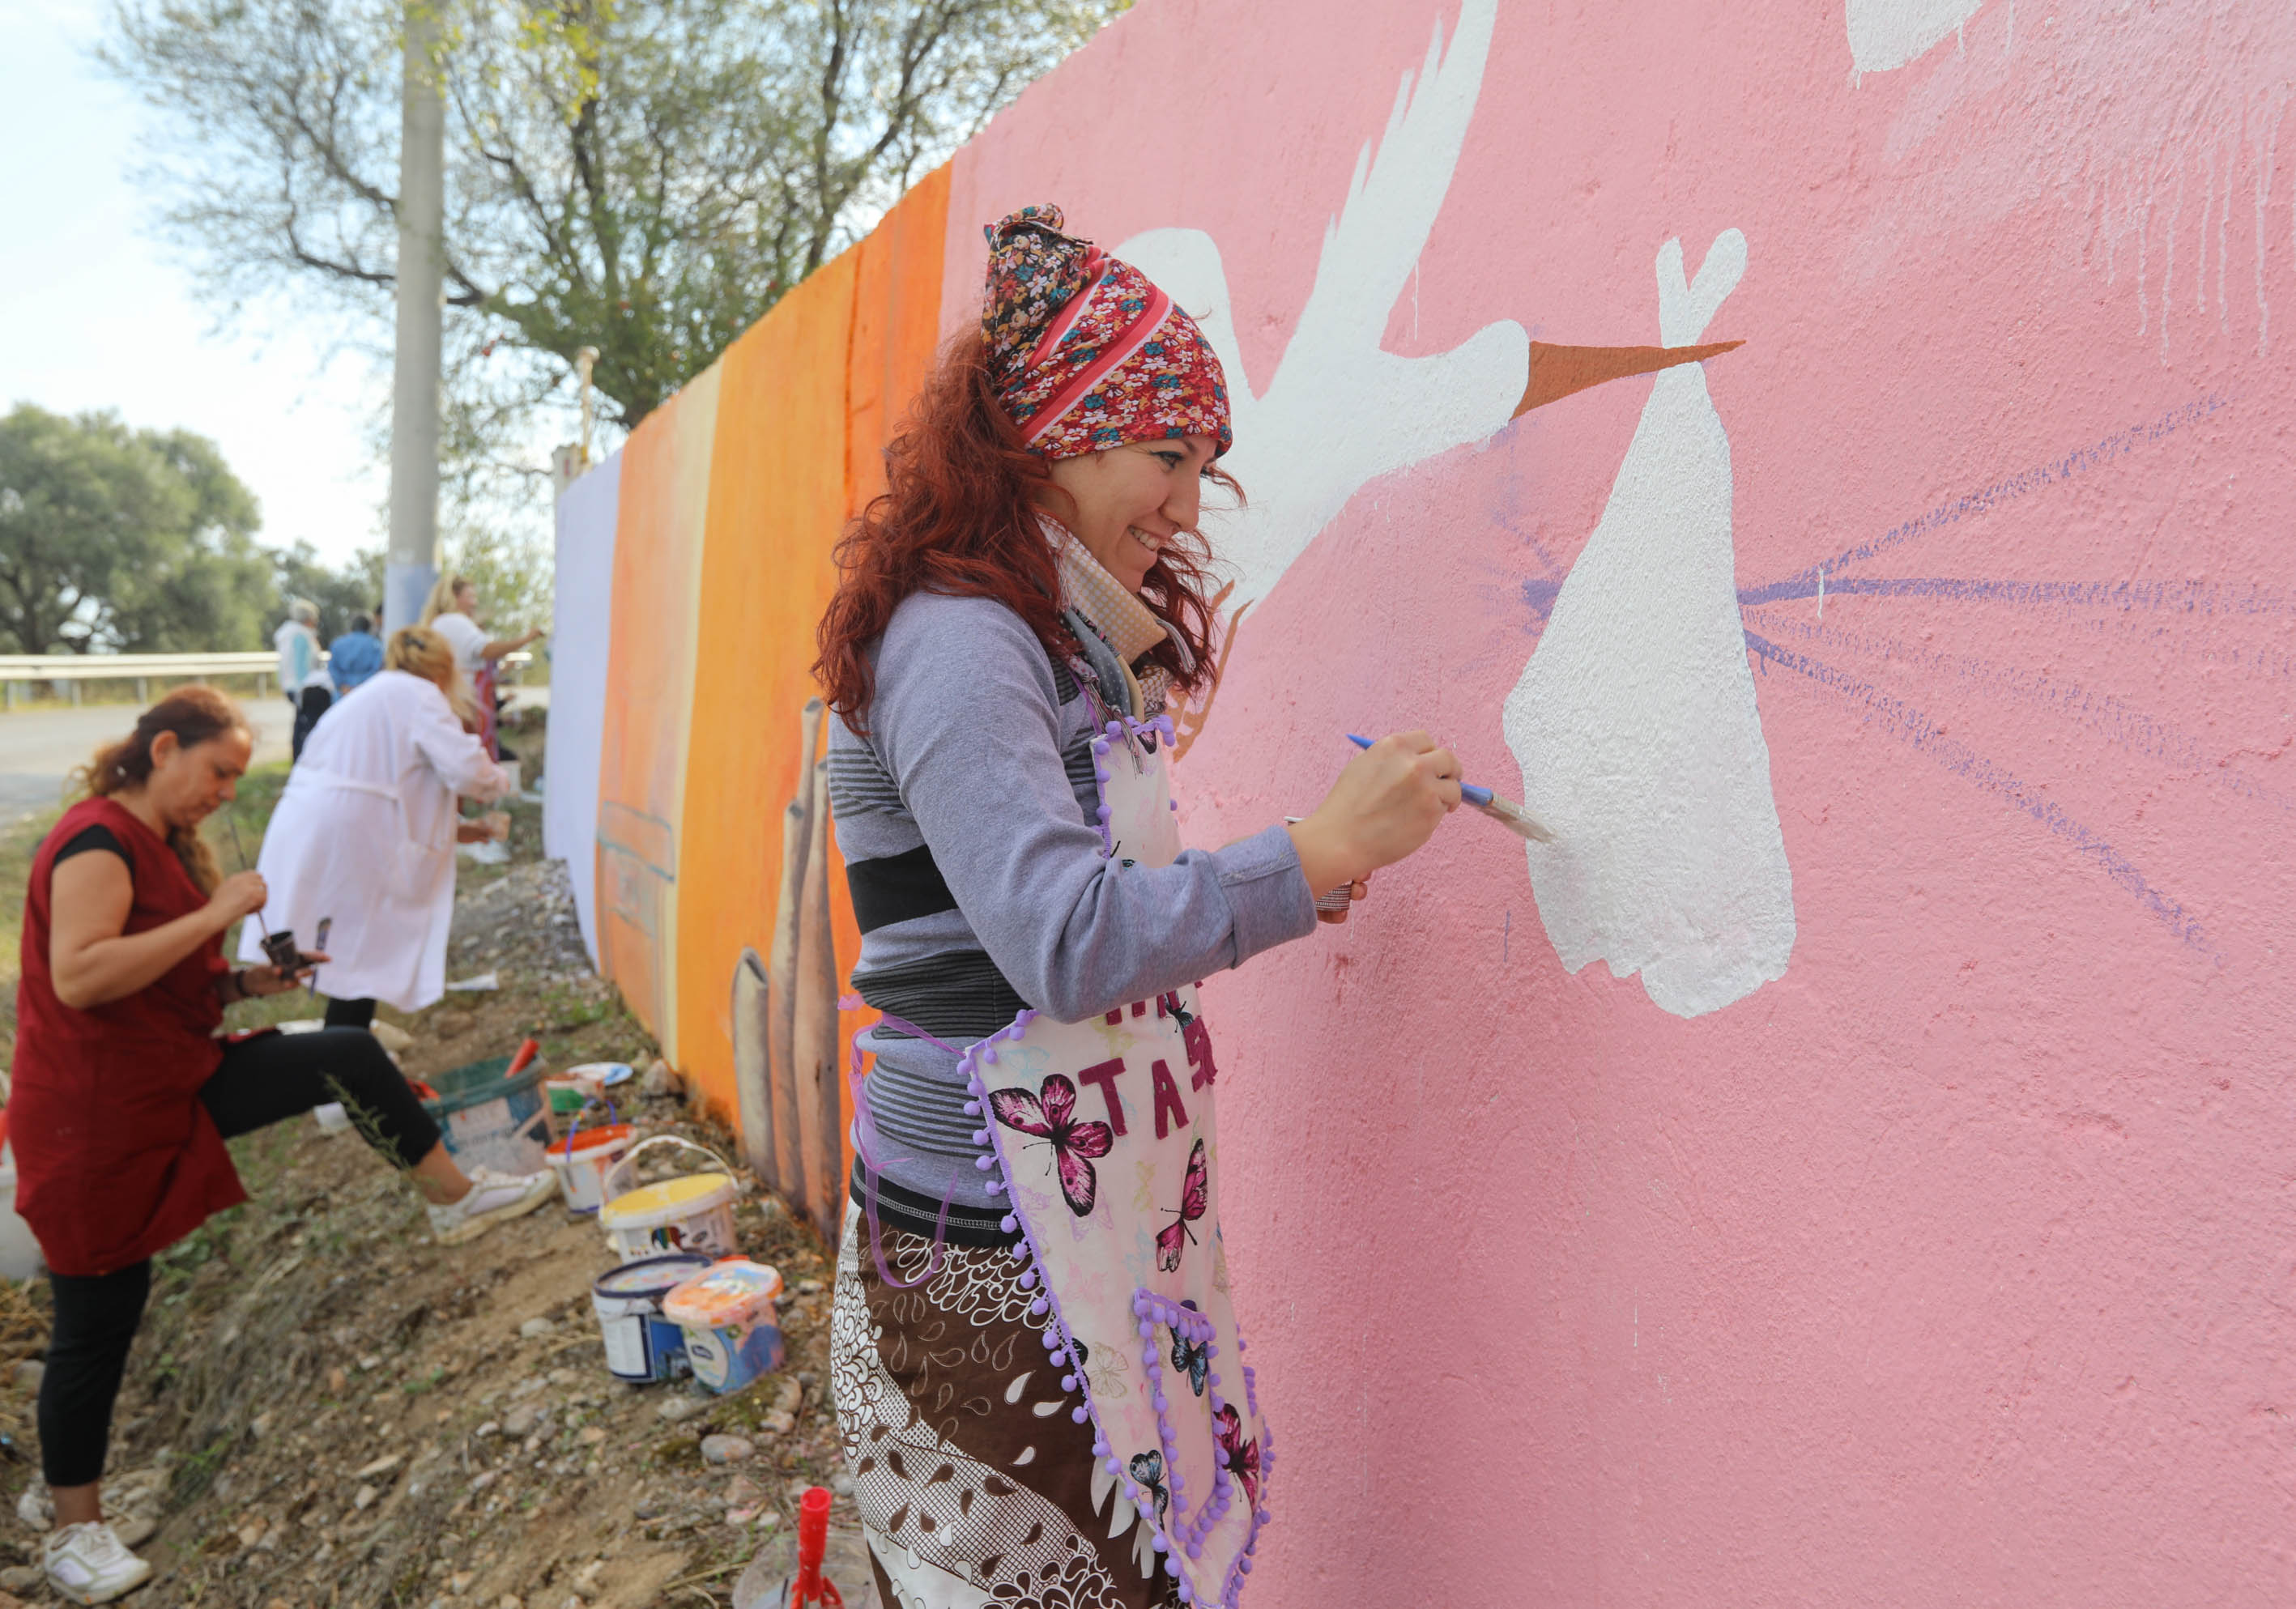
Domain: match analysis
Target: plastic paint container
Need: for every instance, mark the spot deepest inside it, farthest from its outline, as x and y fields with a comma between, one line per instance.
x=491, y=1120
x=642, y=1346
x=694, y=1213
x=582, y=1159
x=597, y=1077
x=732, y=1334
x=565, y=1098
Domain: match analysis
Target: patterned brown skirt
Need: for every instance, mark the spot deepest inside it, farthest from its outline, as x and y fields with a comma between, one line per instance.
x=975, y=1483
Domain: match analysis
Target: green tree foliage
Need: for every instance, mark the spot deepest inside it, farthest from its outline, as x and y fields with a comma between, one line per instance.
x=643, y=177
x=114, y=539
x=341, y=591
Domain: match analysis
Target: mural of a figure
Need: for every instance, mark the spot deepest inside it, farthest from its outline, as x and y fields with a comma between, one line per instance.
x=1635, y=720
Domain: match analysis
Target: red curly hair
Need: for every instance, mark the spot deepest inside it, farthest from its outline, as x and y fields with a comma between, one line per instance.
x=959, y=516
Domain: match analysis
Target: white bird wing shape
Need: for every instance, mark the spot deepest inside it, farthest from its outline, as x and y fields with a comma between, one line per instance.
x=1339, y=411
x=1400, y=183
x=1884, y=35
x=1185, y=264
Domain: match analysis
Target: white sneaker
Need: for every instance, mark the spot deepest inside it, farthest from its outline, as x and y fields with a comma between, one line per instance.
x=87, y=1564
x=35, y=1506
x=492, y=1198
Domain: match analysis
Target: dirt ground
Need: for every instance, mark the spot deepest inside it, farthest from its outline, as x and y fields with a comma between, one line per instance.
x=323, y=1409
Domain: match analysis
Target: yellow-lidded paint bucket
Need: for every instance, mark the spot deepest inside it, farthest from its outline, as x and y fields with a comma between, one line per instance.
x=694, y=1213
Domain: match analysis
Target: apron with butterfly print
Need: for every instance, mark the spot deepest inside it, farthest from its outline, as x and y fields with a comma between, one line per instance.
x=1100, y=1136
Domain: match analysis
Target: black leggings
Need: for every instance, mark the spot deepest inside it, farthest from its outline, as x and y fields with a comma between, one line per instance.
x=260, y=1082
x=311, y=704
x=349, y=1013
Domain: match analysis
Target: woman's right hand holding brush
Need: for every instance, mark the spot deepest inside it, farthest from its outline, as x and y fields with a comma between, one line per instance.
x=1387, y=802
x=240, y=894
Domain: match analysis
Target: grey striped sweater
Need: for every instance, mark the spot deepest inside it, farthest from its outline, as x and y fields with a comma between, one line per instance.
x=967, y=822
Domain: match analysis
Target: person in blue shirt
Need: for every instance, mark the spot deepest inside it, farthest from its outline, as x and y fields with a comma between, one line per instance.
x=356, y=655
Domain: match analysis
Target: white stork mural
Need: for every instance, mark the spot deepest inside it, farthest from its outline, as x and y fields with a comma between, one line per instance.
x=1634, y=721
x=1339, y=411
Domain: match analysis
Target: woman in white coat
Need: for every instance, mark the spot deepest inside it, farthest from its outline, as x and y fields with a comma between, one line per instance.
x=363, y=839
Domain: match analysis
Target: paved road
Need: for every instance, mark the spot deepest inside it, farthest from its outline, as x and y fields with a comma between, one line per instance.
x=38, y=747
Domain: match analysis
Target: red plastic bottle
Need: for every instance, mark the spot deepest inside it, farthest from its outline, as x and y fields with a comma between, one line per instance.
x=811, y=1587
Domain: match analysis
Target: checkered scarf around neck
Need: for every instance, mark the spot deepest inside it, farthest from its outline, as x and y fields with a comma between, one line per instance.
x=1123, y=622
x=1084, y=353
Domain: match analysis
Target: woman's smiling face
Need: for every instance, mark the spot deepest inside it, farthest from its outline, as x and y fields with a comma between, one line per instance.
x=1132, y=499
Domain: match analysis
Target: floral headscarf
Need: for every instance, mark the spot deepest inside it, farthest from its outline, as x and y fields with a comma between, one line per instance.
x=1086, y=353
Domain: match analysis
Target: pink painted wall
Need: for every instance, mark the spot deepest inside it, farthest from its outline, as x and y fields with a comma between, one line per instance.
x=1952, y=1265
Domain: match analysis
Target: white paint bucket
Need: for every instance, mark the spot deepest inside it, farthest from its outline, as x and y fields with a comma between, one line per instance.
x=642, y=1345
x=582, y=1159
x=694, y=1213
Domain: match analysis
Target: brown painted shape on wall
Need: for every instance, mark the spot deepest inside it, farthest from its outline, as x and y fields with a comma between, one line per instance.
x=1556, y=371
x=752, y=1010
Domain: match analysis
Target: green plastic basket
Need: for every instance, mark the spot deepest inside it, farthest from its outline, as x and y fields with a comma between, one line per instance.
x=490, y=1122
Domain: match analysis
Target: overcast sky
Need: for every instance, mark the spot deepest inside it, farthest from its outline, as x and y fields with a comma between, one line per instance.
x=96, y=313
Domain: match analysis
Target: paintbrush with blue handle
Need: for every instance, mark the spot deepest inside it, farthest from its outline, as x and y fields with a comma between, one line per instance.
x=1508, y=813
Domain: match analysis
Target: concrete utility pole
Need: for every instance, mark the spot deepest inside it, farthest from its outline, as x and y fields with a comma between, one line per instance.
x=413, y=559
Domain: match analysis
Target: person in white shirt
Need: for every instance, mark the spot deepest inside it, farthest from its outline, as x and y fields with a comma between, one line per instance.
x=363, y=840
x=451, y=611
x=302, y=675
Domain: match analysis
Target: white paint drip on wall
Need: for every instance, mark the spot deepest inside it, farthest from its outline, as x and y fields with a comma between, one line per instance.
x=1956, y=169
x=1340, y=411
x=2267, y=151
x=1884, y=35
x=1635, y=722
x=2223, y=248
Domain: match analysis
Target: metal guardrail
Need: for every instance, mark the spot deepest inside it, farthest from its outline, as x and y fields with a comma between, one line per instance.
x=73, y=669
x=109, y=667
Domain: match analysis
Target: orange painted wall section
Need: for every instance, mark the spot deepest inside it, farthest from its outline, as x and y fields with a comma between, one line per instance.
x=642, y=773
x=806, y=402
x=897, y=319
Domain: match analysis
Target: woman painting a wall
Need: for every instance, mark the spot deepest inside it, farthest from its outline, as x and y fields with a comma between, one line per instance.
x=451, y=611
x=123, y=1096
x=363, y=840
x=1037, y=1170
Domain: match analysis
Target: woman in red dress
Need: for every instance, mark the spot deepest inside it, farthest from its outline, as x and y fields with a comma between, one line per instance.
x=123, y=1095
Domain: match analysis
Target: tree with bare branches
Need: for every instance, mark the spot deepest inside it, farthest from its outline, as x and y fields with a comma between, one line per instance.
x=643, y=177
